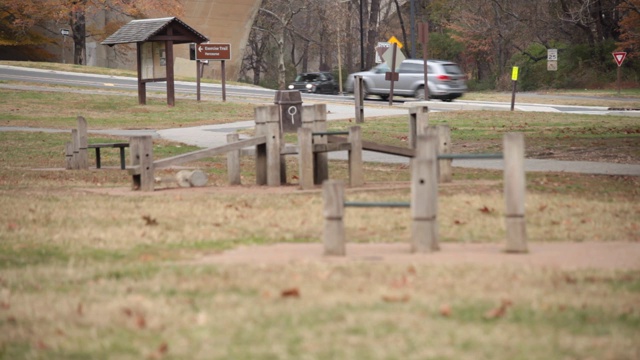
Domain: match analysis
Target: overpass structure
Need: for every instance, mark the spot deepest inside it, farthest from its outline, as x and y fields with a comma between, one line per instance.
x=222, y=21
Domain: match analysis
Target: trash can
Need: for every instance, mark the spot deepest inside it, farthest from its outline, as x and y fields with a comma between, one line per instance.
x=290, y=104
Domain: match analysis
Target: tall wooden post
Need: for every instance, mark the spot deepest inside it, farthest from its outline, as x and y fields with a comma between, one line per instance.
x=356, y=177
x=321, y=160
x=141, y=152
x=233, y=161
x=274, y=135
x=514, y=192
x=305, y=157
x=171, y=89
x=424, y=196
x=418, y=122
x=142, y=85
x=333, y=211
x=261, y=115
x=83, y=144
x=443, y=135
x=358, y=95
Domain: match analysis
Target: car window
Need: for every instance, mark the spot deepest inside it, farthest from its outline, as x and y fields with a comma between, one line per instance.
x=452, y=69
x=307, y=77
x=411, y=68
x=381, y=68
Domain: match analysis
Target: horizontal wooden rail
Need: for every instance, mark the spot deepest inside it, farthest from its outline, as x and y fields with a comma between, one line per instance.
x=372, y=146
x=469, y=156
x=322, y=133
x=205, y=153
x=377, y=204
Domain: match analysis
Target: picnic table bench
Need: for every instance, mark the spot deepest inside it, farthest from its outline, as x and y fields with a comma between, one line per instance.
x=120, y=145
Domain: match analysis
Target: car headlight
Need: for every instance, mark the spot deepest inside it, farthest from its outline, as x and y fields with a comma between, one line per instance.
x=309, y=86
x=291, y=87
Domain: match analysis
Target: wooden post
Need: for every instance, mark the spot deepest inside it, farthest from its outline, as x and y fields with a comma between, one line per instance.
x=305, y=157
x=514, y=192
x=261, y=115
x=334, y=234
x=233, y=161
x=141, y=150
x=321, y=160
x=424, y=196
x=358, y=95
x=445, y=170
x=83, y=144
x=171, y=88
x=68, y=152
x=142, y=85
x=75, y=149
x=274, y=134
x=356, y=177
x=418, y=121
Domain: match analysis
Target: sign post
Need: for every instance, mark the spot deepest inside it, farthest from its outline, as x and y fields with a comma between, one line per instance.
x=216, y=52
x=423, y=34
x=64, y=33
x=514, y=78
x=552, y=59
x=619, y=57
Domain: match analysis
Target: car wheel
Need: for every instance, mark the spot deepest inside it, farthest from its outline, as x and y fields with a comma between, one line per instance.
x=447, y=100
x=384, y=97
x=419, y=94
x=365, y=90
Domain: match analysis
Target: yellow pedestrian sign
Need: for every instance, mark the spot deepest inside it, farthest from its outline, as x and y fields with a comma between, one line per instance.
x=394, y=40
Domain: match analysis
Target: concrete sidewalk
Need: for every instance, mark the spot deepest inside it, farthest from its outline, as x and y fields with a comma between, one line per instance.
x=216, y=135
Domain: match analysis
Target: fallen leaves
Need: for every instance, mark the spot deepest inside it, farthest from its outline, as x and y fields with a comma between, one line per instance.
x=149, y=221
x=290, y=293
x=396, y=298
x=499, y=311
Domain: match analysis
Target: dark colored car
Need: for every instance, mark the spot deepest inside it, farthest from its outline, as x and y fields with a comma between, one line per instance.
x=315, y=82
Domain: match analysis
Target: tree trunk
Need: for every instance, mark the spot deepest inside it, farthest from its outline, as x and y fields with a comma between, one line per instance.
x=372, y=34
x=79, y=28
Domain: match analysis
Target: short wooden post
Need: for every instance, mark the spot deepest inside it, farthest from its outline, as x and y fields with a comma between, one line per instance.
x=68, y=152
x=75, y=145
x=418, y=121
x=424, y=196
x=514, y=192
x=445, y=170
x=358, y=95
x=356, y=176
x=334, y=234
x=274, y=135
x=261, y=115
x=321, y=160
x=141, y=150
x=83, y=144
x=233, y=161
x=305, y=157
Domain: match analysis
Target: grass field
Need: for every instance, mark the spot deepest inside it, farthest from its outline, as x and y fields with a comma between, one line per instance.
x=92, y=270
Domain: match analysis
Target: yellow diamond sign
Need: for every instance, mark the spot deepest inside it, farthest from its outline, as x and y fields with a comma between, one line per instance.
x=394, y=40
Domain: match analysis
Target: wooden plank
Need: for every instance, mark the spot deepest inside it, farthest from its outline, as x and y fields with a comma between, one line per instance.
x=325, y=148
x=205, y=153
x=108, y=145
x=261, y=114
x=418, y=121
x=381, y=148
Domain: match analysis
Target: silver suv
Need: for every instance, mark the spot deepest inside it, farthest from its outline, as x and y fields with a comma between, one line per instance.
x=446, y=80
